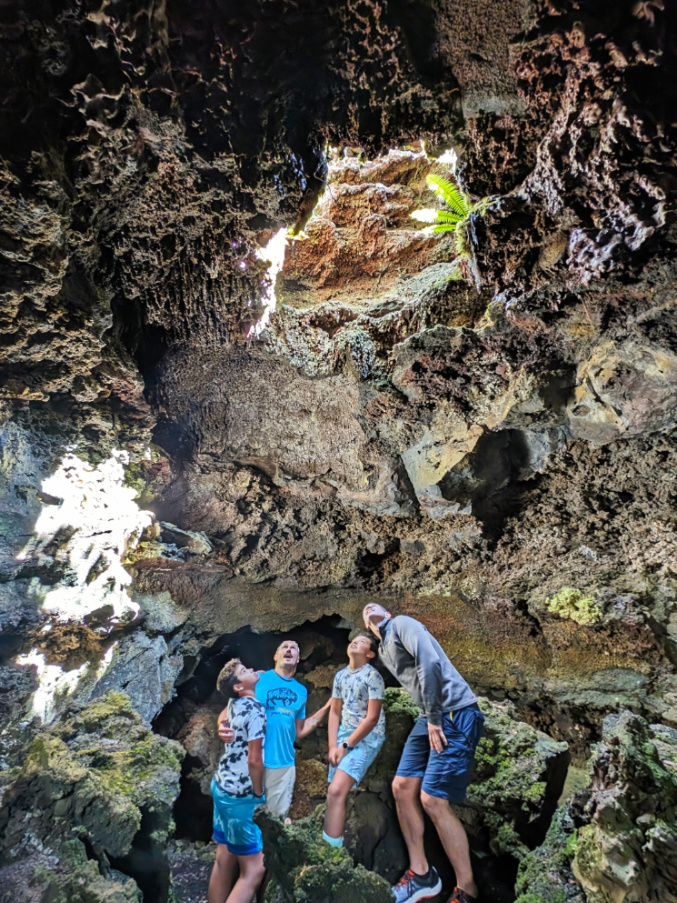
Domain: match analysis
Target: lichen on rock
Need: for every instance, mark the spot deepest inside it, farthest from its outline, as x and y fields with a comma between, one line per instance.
x=305, y=868
x=100, y=775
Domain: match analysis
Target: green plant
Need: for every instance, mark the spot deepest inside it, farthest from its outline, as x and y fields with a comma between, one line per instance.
x=459, y=218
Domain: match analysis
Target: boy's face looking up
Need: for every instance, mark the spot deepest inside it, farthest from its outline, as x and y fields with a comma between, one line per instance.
x=247, y=679
x=360, y=651
x=287, y=655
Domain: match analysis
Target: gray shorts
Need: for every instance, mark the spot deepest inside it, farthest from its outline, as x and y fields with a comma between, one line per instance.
x=278, y=785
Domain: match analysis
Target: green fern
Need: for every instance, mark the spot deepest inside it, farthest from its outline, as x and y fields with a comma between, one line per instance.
x=450, y=194
x=458, y=218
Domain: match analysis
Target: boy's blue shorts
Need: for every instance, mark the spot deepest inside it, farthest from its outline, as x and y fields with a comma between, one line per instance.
x=356, y=761
x=446, y=774
x=233, y=823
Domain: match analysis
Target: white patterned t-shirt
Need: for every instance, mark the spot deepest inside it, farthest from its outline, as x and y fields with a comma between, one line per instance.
x=355, y=689
x=247, y=717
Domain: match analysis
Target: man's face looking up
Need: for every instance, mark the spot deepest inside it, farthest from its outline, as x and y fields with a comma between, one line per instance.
x=373, y=614
x=287, y=654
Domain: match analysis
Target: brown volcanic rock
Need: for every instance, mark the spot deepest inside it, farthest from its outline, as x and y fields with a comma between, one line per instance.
x=385, y=439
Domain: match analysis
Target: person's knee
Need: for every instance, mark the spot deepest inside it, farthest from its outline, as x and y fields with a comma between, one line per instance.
x=435, y=806
x=222, y=856
x=404, y=788
x=336, y=793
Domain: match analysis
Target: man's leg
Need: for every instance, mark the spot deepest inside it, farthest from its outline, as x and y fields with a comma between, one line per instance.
x=278, y=784
x=454, y=840
x=407, y=793
x=251, y=873
x=339, y=789
x=223, y=875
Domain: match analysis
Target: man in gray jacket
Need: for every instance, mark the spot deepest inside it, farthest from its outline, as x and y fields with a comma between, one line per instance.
x=437, y=759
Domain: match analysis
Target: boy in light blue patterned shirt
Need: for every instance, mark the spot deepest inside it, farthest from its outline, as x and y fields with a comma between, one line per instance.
x=357, y=728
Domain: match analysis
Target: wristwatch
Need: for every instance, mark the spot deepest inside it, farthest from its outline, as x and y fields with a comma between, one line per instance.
x=345, y=745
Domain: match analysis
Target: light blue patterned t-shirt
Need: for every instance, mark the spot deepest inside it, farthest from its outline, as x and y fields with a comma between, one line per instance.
x=355, y=689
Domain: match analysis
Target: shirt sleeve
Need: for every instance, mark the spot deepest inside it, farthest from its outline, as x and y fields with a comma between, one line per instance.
x=416, y=640
x=336, y=688
x=376, y=686
x=255, y=723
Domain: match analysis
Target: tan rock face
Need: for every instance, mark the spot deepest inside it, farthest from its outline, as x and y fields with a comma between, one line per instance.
x=624, y=390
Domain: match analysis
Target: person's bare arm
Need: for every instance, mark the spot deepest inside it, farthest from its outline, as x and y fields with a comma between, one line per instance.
x=365, y=727
x=224, y=730
x=334, y=721
x=305, y=726
x=255, y=763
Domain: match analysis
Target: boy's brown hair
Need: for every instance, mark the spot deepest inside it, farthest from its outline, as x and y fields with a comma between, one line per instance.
x=225, y=682
x=373, y=641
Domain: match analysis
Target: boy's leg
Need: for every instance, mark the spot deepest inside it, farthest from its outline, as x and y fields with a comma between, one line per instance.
x=223, y=875
x=251, y=873
x=339, y=789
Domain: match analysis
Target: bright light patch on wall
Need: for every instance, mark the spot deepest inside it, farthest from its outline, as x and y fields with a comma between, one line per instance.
x=87, y=532
x=450, y=158
x=54, y=682
x=273, y=252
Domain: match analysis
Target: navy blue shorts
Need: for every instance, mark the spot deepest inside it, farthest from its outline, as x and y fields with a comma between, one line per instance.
x=446, y=774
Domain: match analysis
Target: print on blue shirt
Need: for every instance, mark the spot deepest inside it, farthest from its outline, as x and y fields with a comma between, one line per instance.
x=284, y=699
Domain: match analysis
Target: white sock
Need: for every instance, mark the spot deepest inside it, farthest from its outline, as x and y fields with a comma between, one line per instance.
x=332, y=841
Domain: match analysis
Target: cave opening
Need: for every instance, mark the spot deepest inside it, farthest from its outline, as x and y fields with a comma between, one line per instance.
x=191, y=716
x=373, y=834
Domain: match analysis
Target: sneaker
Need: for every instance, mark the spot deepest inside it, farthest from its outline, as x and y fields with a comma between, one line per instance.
x=460, y=896
x=411, y=887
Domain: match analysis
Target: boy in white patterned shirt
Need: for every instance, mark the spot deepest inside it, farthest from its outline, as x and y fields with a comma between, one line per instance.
x=237, y=789
x=356, y=730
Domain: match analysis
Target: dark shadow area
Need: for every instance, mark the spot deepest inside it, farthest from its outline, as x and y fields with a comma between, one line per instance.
x=491, y=480
x=147, y=863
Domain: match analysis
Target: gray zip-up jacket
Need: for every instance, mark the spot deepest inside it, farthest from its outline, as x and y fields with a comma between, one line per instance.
x=420, y=664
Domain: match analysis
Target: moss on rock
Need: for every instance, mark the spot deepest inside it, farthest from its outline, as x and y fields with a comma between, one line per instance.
x=519, y=774
x=307, y=870
x=572, y=603
x=545, y=874
x=100, y=774
x=614, y=841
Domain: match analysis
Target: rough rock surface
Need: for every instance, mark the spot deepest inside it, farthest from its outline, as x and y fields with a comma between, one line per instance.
x=95, y=790
x=494, y=454
x=617, y=837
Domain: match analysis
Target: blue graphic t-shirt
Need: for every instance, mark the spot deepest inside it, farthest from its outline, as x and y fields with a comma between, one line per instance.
x=285, y=702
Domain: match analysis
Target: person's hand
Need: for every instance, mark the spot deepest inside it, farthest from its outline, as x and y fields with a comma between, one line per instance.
x=225, y=731
x=436, y=736
x=334, y=755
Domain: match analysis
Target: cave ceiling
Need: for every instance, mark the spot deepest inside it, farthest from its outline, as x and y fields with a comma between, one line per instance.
x=466, y=448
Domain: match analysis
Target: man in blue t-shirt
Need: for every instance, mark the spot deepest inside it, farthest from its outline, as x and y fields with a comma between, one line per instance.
x=284, y=699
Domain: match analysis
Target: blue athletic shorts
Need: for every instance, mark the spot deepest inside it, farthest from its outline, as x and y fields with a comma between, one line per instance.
x=356, y=761
x=446, y=774
x=233, y=823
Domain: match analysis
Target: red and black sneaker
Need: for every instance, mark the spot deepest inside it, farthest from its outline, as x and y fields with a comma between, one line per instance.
x=460, y=896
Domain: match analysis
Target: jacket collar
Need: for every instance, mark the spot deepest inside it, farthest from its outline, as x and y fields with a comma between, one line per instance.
x=384, y=628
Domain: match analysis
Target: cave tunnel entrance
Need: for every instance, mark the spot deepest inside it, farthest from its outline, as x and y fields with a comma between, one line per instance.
x=191, y=716
x=376, y=841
